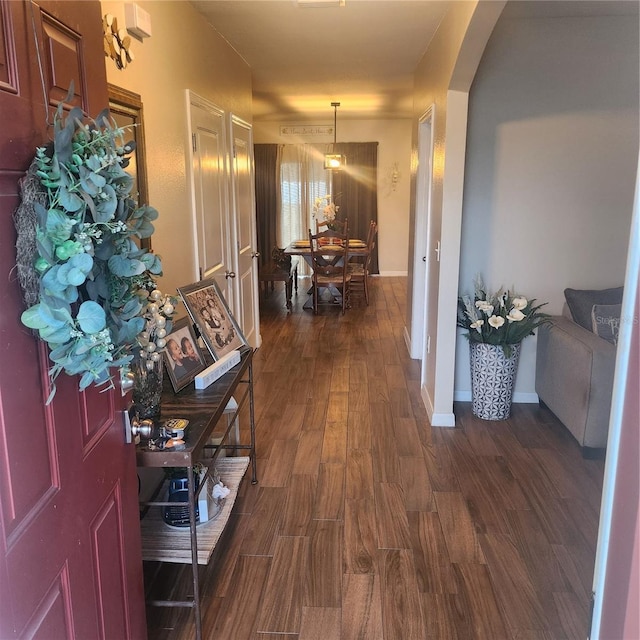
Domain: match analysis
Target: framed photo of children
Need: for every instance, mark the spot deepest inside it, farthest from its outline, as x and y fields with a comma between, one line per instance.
x=208, y=309
x=182, y=356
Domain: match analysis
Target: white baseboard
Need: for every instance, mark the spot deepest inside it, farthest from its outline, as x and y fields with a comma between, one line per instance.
x=407, y=341
x=519, y=397
x=436, y=419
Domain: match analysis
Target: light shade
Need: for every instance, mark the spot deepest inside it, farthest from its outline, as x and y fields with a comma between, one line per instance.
x=334, y=161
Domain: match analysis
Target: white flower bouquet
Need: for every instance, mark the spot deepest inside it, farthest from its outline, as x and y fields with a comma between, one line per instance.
x=326, y=208
x=502, y=318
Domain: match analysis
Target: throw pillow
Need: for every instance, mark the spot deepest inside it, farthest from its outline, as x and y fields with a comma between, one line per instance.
x=581, y=301
x=605, y=321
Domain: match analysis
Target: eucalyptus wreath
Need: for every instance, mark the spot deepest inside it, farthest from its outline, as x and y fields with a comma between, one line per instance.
x=78, y=246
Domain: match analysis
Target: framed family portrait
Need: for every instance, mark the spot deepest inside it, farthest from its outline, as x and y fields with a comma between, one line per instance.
x=208, y=309
x=182, y=356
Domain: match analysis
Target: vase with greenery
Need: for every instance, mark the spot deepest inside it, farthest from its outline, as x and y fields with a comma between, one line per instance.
x=85, y=278
x=496, y=324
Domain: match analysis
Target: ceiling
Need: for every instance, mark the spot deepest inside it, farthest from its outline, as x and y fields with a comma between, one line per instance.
x=362, y=54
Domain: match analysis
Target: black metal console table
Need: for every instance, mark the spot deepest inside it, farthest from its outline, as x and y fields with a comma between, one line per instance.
x=204, y=409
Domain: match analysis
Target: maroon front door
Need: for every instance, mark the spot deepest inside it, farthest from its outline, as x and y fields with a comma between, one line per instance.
x=70, y=558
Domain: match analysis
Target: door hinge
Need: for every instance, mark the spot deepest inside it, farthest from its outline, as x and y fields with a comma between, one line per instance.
x=235, y=152
x=200, y=273
x=193, y=142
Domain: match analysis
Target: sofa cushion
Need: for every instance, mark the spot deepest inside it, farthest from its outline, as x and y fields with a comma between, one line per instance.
x=581, y=301
x=605, y=321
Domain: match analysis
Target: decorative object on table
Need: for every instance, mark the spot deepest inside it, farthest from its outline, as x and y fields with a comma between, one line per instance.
x=147, y=362
x=212, y=497
x=217, y=369
x=325, y=212
x=208, y=309
x=182, y=356
x=496, y=325
x=84, y=277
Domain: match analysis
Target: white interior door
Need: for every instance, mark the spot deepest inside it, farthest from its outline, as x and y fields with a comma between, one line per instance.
x=419, y=329
x=244, y=216
x=210, y=202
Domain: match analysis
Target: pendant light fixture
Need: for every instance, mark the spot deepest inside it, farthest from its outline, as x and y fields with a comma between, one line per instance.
x=334, y=161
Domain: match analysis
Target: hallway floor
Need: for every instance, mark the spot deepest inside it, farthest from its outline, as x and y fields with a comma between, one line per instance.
x=368, y=523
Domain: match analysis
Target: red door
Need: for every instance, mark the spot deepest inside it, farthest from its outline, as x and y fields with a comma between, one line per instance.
x=70, y=558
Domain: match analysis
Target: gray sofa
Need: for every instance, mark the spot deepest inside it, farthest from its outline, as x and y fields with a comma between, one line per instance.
x=575, y=367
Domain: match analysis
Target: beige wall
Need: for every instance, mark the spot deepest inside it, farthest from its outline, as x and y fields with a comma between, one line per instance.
x=551, y=164
x=184, y=52
x=394, y=147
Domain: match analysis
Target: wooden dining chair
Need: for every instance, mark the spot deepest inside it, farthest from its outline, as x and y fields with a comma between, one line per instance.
x=329, y=264
x=341, y=227
x=359, y=270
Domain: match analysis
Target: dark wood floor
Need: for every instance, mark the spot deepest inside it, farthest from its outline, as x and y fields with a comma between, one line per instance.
x=369, y=523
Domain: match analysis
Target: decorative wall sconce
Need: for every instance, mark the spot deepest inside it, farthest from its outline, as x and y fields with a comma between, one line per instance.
x=394, y=176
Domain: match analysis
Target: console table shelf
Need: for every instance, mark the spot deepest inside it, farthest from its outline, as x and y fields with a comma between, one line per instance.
x=171, y=544
x=206, y=431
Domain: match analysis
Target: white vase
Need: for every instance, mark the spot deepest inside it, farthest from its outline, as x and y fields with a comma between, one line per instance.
x=492, y=380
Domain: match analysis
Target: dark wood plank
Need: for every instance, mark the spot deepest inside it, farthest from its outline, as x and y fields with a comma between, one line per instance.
x=391, y=517
x=319, y=623
x=434, y=569
x=401, y=603
x=281, y=607
x=458, y=528
x=363, y=606
x=324, y=576
x=329, y=499
x=243, y=599
x=360, y=537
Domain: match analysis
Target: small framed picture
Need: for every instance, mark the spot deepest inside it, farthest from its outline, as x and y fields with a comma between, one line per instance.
x=208, y=309
x=182, y=356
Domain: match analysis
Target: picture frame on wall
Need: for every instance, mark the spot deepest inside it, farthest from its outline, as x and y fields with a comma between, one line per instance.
x=183, y=358
x=209, y=311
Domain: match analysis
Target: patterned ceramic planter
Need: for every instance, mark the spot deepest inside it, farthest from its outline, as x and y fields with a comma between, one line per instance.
x=492, y=379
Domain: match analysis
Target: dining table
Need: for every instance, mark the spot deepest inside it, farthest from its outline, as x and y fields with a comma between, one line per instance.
x=302, y=247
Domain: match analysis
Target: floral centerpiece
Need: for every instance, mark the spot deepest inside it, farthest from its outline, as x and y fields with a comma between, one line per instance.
x=84, y=277
x=325, y=210
x=496, y=324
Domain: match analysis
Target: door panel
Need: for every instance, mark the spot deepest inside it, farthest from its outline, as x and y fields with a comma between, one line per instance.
x=70, y=559
x=245, y=221
x=210, y=198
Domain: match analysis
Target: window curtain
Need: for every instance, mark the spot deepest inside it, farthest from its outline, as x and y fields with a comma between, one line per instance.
x=356, y=190
x=267, y=194
x=302, y=178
